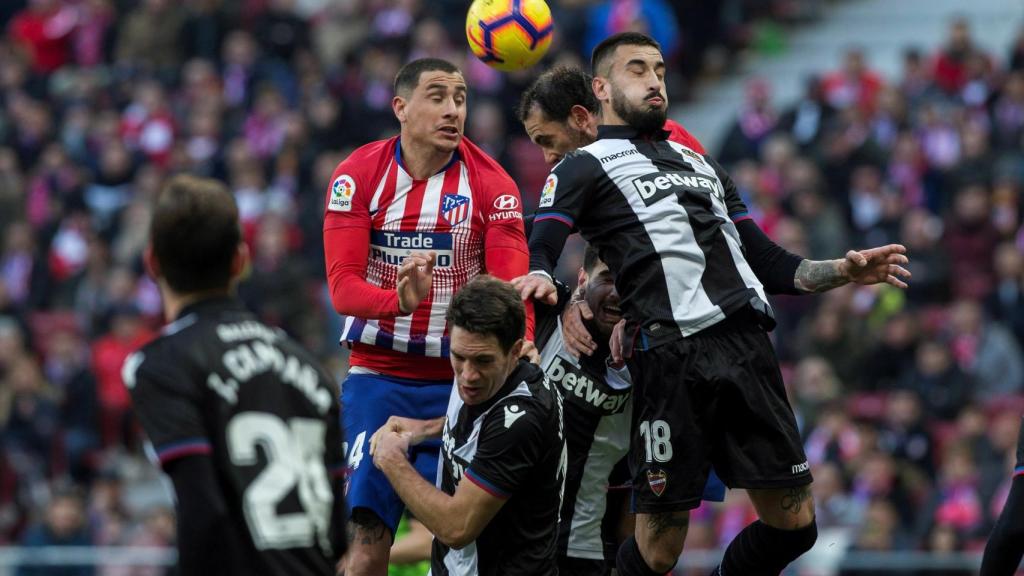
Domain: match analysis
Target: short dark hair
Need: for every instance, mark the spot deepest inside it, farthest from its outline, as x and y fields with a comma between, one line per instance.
x=195, y=233
x=607, y=47
x=590, y=258
x=557, y=91
x=486, y=305
x=409, y=76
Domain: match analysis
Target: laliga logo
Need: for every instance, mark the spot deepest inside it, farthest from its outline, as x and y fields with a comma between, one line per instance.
x=547, y=196
x=343, y=187
x=506, y=202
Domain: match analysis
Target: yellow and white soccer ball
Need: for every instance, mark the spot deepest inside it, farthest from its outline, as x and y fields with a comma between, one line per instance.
x=509, y=34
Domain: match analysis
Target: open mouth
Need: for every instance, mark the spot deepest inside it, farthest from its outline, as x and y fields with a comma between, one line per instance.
x=449, y=130
x=611, y=311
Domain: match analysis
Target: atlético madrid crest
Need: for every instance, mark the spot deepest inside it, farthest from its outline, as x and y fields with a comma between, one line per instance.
x=454, y=208
x=657, y=479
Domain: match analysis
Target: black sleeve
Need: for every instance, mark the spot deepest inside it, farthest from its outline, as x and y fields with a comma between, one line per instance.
x=512, y=442
x=773, y=265
x=167, y=402
x=561, y=203
x=206, y=544
x=546, y=316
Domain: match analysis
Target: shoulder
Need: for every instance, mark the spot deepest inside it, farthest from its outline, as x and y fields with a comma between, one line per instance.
x=682, y=136
x=366, y=160
x=480, y=165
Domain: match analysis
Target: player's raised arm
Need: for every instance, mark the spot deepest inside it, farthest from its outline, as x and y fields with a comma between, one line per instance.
x=561, y=203
x=783, y=272
x=347, y=243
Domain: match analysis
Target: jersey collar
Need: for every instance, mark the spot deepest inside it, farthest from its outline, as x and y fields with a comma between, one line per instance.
x=626, y=132
x=212, y=303
x=398, y=157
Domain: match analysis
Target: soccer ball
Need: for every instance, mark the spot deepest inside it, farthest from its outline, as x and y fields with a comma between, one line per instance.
x=509, y=34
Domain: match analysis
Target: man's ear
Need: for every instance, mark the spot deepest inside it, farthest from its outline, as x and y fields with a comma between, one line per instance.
x=150, y=262
x=517, y=348
x=580, y=116
x=398, y=107
x=581, y=281
x=240, y=262
x=601, y=88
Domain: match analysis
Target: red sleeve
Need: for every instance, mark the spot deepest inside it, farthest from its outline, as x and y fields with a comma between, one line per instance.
x=347, y=245
x=680, y=135
x=505, y=253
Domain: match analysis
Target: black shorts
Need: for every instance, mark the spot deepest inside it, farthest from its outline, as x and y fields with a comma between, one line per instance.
x=714, y=398
x=582, y=567
x=1019, y=468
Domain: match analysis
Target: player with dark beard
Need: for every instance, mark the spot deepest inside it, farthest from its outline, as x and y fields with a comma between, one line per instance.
x=669, y=223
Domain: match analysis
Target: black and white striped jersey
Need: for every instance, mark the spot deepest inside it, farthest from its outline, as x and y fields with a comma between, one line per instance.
x=597, y=408
x=513, y=447
x=662, y=217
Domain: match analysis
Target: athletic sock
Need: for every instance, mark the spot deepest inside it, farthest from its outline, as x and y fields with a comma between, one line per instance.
x=761, y=550
x=629, y=561
x=1006, y=543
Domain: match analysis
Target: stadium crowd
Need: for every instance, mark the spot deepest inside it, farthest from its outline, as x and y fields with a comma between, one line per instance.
x=909, y=402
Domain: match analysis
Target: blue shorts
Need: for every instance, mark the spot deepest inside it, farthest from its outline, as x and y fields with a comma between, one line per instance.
x=714, y=489
x=367, y=401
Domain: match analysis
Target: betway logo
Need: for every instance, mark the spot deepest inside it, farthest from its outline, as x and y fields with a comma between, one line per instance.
x=654, y=187
x=581, y=389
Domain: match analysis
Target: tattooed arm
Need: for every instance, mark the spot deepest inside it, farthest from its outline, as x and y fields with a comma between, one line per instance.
x=872, y=266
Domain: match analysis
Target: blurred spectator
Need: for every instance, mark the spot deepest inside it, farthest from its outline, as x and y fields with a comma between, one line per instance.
x=68, y=371
x=128, y=332
x=1006, y=302
x=807, y=118
x=149, y=39
x=63, y=525
x=903, y=435
x=956, y=501
x=755, y=122
x=986, y=351
x=854, y=85
x=950, y=68
x=29, y=420
x=937, y=379
x=43, y=30
x=970, y=241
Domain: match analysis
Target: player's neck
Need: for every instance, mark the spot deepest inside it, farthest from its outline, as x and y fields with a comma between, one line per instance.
x=608, y=117
x=422, y=162
x=174, y=303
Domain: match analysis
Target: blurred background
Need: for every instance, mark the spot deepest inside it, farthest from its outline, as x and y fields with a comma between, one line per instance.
x=845, y=123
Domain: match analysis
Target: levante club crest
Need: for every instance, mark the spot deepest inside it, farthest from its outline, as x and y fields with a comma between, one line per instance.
x=657, y=479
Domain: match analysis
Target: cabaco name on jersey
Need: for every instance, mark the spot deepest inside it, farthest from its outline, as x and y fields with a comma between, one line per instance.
x=654, y=187
x=251, y=359
x=393, y=247
x=581, y=389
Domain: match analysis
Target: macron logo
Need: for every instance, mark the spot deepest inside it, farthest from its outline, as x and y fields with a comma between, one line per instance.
x=513, y=413
x=803, y=467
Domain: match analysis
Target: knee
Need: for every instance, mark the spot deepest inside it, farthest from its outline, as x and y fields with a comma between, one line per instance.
x=803, y=538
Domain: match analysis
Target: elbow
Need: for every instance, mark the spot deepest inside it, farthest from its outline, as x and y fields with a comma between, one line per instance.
x=457, y=537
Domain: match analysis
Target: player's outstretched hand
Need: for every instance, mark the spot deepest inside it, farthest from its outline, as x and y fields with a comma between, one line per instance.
x=414, y=278
x=391, y=448
x=877, y=265
x=536, y=286
x=577, y=338
x=530, y=352
x=620, y=352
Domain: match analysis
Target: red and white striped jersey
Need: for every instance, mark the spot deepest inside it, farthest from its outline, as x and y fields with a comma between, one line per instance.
x=470, y=204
